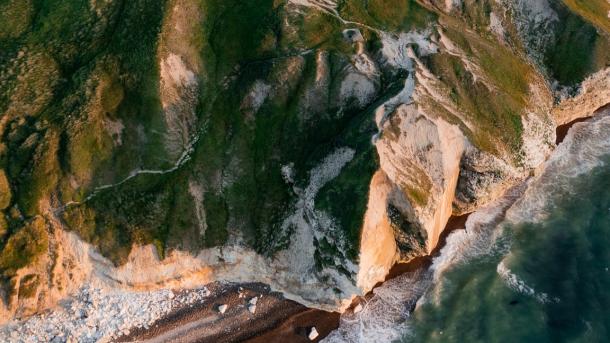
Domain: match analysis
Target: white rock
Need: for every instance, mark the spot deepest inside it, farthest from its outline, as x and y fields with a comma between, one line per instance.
x=313, y=333
x=358, y=308
x=252, y=308
x=223, y=308
x=253, y=301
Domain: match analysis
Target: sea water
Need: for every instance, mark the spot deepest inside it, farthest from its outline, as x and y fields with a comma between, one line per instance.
x=531, y=267
x=541, y=274
x=545, y=281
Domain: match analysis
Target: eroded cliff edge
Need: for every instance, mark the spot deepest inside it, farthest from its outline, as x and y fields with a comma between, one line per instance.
x=305, y=144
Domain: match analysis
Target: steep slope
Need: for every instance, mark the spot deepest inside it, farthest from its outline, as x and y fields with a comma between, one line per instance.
x=307, y=144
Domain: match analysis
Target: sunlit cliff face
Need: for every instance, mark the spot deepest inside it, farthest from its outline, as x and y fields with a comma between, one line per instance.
x=305, y=144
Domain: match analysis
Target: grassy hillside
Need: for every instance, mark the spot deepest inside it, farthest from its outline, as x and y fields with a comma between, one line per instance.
x=91, y=93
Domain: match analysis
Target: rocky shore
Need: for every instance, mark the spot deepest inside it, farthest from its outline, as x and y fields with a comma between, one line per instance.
x=237, y=313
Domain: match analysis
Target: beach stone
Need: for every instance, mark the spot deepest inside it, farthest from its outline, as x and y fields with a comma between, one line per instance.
x=223, y=308
x=313, y=333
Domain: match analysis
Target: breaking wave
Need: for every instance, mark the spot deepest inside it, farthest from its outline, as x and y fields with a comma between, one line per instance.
x=500, y=275
x=518, y=285
x=384, y=315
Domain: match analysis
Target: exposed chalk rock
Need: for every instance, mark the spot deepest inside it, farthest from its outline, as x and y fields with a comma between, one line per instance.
x=313, y=334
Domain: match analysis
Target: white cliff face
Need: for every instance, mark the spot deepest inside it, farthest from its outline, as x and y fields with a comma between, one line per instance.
x=259, y=92
x=378, y=251
x=582, y=150
x=419, y=165
x=422, y=158
x=358, y=89
x=533, y=20
x=361, y=80
x=428, y=169
x=308, y=222
x=594, y=94
x=76, y=263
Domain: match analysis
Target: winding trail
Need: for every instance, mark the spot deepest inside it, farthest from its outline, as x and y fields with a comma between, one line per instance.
x=182, y=160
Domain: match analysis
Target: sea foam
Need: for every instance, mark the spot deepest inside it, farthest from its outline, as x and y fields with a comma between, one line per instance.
x=385, y=317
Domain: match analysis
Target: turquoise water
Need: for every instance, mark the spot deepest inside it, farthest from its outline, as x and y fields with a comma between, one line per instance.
x=545, y=282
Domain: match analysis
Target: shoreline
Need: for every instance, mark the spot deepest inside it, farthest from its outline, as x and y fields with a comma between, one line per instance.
x=454, y=223
x=286, y=320
x=277, y=320
x=561, y=131
x=203, y=322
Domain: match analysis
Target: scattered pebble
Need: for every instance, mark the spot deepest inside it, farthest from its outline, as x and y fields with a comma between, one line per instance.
x=95, y=314
x=313, y=333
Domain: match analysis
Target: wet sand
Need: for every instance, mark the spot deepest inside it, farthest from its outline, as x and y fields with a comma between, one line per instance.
x=296, y=328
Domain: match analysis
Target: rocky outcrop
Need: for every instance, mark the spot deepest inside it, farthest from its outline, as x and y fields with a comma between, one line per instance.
x=594, y=93
x=483, y=178
x=311, y=153
x=378, y=251
x=421, y=157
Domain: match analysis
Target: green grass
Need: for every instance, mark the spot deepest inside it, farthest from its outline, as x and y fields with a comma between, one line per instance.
x=476, y=13
x=28, y=285
x=579, y=49
x=594, y=11
x=238, y=158
x=496, y=110
x=345, y=198
x=134, y=213
x=3, y=227
x=15, y=18
x=5, y=191
x=118, y=57
x=23, y=247
x=387, y=15
x=497, y=118
x=43, y=176
x=417, y=196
